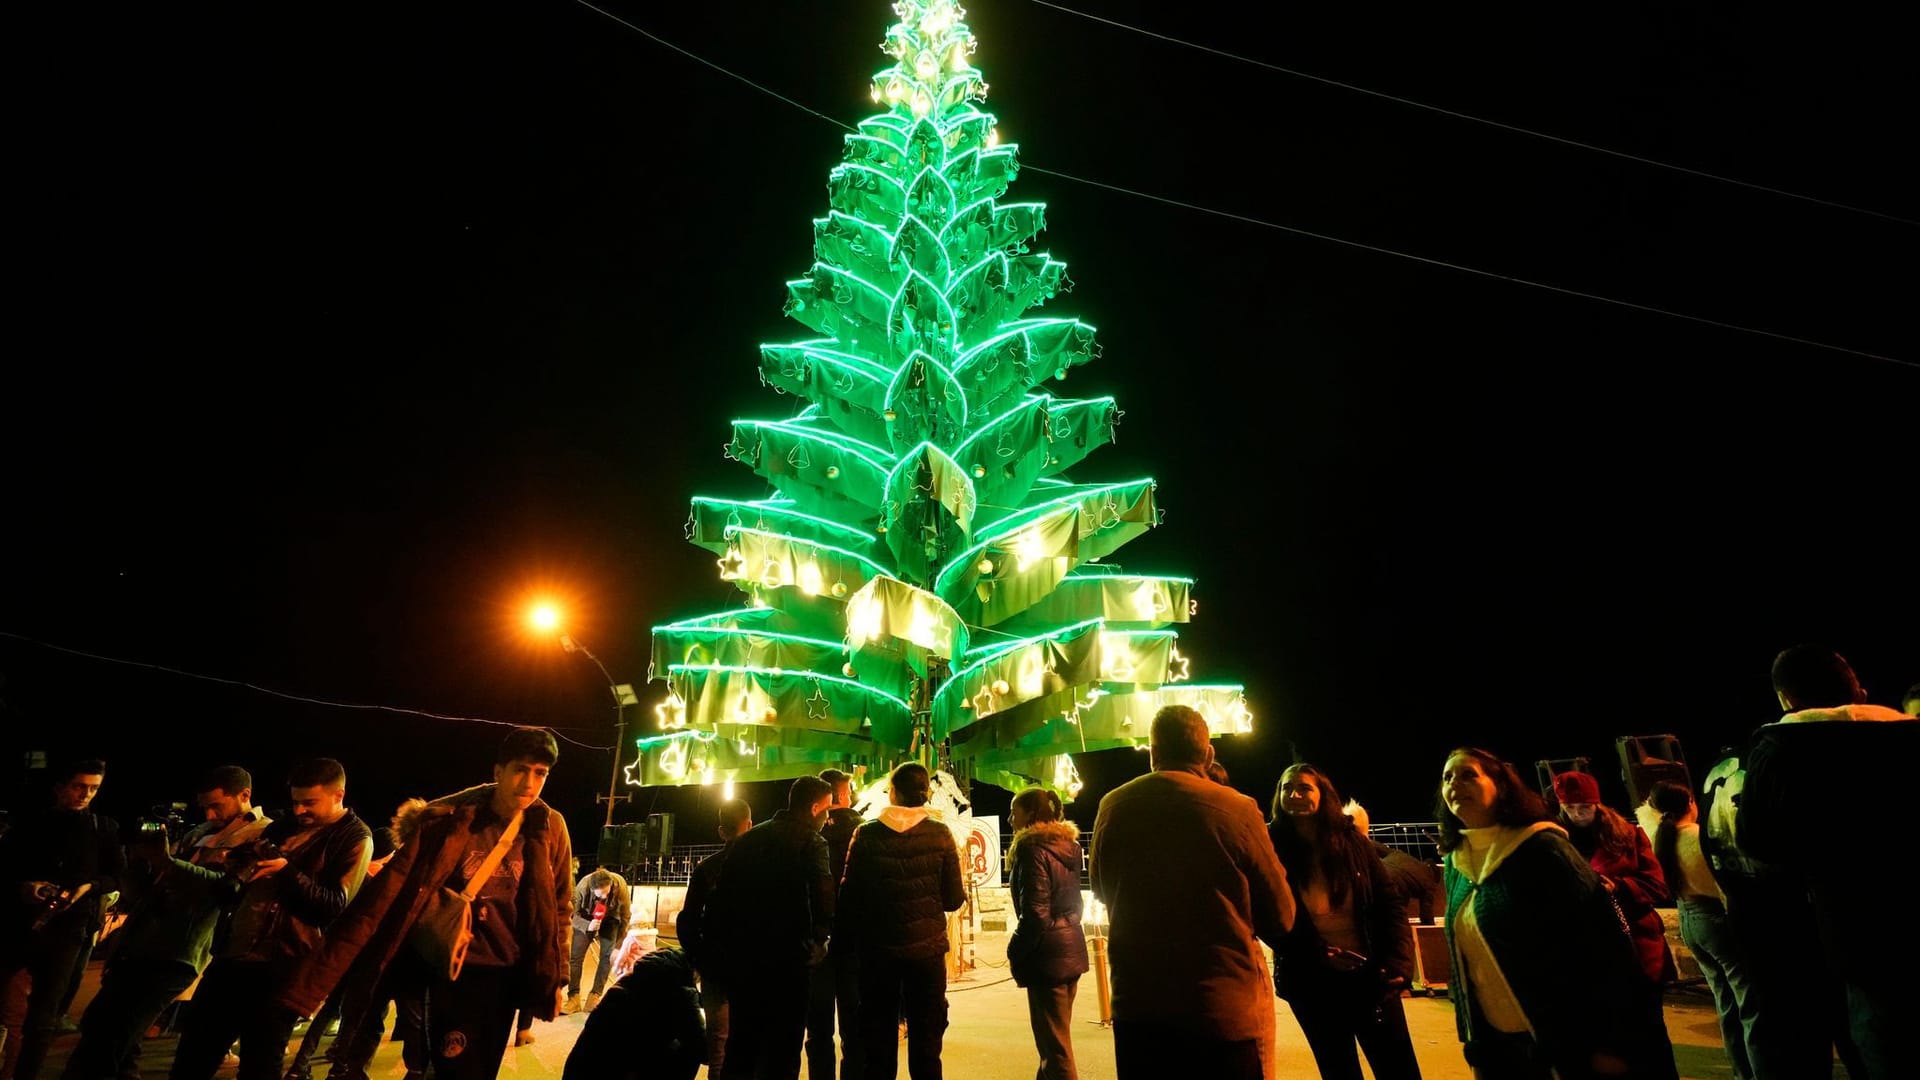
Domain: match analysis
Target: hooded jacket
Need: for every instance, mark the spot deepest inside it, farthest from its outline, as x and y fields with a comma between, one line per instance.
x=1048, y=947
x=903, y=876
x=433, y=840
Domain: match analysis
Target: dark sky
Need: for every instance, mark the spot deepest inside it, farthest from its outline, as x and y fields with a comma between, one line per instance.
x=339, y=330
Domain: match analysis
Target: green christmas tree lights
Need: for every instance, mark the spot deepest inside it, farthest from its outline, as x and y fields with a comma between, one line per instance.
x=925, y=580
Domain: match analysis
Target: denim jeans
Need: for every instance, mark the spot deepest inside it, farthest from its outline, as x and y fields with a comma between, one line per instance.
x=1709, y=936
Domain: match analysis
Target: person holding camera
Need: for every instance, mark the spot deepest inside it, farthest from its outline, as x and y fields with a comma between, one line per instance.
x=168, y=936
x=278, y=895
x=1350, y=953
x=56, y=868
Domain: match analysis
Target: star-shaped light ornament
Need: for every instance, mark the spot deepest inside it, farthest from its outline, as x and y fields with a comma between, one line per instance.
x=1178, y=666
x=818, y=707
x=731, y=564
x=671, y=712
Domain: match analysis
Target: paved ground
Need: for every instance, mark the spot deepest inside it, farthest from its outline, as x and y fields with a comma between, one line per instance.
x=988, y=1037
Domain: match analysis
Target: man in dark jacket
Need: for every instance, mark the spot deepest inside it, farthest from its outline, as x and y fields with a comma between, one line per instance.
x=282, y=892
x=835, y=984
x=736, y=817
x=1831, y=735
x=769, y=918
x=522, y=915
x=167, y=940
x=56, y=868
x=903, y=876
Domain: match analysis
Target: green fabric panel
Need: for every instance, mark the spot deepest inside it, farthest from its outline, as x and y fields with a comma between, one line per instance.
x=798, y=463
x=1124, y=601
x=927, y=405
x=1076, y=429
x=930, y=503
x=1031, y=671
x=1008, y=453
x=778, y=562
x=780, y=699
x=711, y=520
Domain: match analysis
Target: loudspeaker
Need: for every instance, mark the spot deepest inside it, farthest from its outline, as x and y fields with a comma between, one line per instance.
x=1645, y=760
x=658, y=839
x=620, y=845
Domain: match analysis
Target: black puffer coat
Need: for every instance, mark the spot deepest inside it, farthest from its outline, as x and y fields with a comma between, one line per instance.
x=903, y=876
x=1048, y=947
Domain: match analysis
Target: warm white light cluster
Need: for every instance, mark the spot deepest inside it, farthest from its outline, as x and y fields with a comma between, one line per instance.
x=931, y=47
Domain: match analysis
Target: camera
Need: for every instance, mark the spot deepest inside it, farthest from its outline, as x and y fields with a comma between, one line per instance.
x=168, y=819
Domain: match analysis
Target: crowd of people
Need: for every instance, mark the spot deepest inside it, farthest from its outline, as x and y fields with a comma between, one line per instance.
x=820, y=939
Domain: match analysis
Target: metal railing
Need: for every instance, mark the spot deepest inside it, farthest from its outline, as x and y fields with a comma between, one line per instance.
x=1417, y=838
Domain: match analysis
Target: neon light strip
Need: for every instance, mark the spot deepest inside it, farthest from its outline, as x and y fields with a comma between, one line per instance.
x=695, y=734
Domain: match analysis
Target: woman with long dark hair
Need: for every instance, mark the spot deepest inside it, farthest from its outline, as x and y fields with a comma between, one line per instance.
x=1547, y=981
x=1350, y=953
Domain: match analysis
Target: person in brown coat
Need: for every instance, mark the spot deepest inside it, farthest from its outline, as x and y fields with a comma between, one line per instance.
x=1190, y=881
x=522, y=917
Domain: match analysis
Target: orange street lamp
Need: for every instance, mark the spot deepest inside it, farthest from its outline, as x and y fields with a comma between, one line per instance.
x=546, y=618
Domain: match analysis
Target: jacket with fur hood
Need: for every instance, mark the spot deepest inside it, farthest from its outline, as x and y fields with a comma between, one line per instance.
x=903, y=876
x=433, y=840
x=1048, y=947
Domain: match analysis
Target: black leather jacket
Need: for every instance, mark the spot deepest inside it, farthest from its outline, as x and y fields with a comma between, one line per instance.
x=281, y=918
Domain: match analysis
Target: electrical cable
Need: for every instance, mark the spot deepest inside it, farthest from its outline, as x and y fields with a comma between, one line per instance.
x=1373, y=248
x=558, y=732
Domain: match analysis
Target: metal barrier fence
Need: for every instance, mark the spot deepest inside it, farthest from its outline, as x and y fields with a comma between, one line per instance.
x=1417, y=838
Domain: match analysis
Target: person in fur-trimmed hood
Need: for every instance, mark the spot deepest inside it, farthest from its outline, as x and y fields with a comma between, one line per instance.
x=522, y=917
x=903, y=876
x=1048, y=950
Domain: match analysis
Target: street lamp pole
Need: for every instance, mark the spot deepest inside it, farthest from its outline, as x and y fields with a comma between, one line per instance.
x=623, y=696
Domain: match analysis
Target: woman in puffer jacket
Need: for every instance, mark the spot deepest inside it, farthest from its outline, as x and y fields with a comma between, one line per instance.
x=1048, y=951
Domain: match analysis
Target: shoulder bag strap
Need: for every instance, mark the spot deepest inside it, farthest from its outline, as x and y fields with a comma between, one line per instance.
x=480, y=876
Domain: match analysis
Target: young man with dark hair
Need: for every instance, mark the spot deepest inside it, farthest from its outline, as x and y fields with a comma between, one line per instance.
x=522, y=915
x=279, y=895
x=1190, y=880
x=56, y=867
x=174, y=899
x=768, y=923
x=903, y=876
x=736, y=817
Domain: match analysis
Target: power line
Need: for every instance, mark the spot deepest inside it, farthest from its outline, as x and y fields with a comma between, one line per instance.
x=1502, y=125
x=1374, y=248
x=290, y=697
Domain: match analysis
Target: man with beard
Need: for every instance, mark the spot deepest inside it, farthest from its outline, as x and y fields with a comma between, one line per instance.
x=521, y=911
x=282, y=892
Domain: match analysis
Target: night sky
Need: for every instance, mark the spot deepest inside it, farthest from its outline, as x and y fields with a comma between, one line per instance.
x=340, y=332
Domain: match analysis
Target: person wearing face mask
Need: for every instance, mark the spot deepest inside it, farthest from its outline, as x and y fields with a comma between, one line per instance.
x=1619, y=851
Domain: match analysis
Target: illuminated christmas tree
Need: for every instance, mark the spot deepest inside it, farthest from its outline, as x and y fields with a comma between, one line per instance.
x=925, y=581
